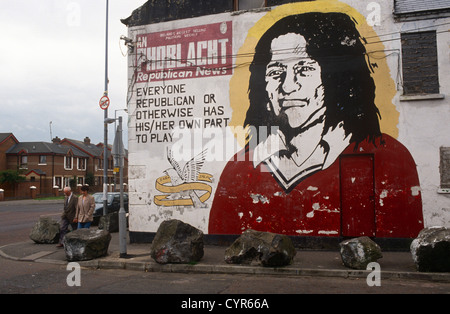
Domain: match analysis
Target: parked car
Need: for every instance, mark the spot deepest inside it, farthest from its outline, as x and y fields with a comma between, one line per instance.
x=113, y=202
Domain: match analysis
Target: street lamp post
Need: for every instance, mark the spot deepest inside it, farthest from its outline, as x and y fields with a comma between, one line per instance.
x=118, y=152
x=115, y=127
x=105, y=125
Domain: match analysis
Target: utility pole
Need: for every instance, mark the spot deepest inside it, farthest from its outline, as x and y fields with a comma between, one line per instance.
x=118, y=153
x=105, y=125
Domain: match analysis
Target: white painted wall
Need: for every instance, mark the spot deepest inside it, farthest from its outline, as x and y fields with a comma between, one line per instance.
x=424, y=125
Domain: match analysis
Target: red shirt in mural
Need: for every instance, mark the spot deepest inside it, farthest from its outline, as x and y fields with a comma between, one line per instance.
x=327, y=202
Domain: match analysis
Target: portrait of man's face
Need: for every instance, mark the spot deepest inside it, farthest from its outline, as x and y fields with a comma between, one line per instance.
x=309, y=78
x=308, y=71
x=294, y=83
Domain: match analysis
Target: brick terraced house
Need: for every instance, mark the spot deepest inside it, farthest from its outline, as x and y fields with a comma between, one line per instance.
x=49, y=167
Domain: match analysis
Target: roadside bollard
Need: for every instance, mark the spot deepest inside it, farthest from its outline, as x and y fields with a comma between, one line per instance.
x=33, y=192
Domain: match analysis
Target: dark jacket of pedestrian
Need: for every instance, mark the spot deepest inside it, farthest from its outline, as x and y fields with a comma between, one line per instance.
x=70, y=207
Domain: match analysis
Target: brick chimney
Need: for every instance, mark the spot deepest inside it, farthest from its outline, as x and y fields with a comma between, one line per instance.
x=87, y=140
x=56, y=140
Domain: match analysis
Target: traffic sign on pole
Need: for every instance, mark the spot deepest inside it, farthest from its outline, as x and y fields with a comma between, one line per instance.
x=104, y=102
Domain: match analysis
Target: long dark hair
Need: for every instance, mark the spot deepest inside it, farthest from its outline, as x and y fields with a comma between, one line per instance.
x=349, y=90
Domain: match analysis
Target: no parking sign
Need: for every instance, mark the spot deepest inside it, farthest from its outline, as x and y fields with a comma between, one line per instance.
x=104, y=102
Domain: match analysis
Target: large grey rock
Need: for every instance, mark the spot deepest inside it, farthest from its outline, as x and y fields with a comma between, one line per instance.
x=263, y=248
x=356, y=253
x=177, y=242
x=45, y=231
x=86, y=244
x=109, y=222
x=431, y=250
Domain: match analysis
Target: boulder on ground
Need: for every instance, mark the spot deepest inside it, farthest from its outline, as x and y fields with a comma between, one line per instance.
x=86, y=244
x=177, y=242
x=263, y=248
x=357, y=253
x=431, y=250
x=109, y=222
x=45, y=231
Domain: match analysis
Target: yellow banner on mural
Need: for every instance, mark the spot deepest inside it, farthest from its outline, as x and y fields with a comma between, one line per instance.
x=188, y=189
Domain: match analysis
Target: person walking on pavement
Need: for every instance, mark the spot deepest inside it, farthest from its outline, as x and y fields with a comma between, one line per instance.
x=68, y=215
x=85, y=208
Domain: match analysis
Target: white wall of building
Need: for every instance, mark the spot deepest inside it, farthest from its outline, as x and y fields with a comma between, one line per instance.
x=422, y=125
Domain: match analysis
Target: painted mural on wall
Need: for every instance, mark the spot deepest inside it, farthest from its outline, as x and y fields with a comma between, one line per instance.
x=181, y=185
x=175, y=81
x=310, y=105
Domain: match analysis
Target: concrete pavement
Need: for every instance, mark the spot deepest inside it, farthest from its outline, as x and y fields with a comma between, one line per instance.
x=306, y=263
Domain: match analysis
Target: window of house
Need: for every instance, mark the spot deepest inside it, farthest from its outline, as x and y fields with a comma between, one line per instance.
x=68, y=163
x=444, y=167
x=57, y=182
x=80, y=181
x=66, y=181
x=23, y=162
x=42, y=160
x=249, y=4
x=81, y=163
x=419, y=63
x=415, y=9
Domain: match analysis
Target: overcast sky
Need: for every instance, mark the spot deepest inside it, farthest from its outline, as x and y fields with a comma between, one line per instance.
x=52, y=67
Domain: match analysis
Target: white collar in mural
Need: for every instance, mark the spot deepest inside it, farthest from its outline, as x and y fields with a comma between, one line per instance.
x=288, y=170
